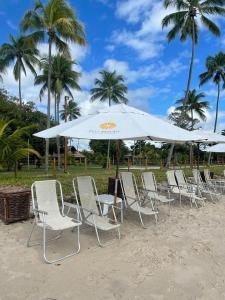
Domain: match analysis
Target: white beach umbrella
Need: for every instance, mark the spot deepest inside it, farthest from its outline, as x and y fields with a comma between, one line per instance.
x=121, y=122
x=219, y=148
x=210, y=137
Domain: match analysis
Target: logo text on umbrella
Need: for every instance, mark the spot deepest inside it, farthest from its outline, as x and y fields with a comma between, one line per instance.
x=108, y=125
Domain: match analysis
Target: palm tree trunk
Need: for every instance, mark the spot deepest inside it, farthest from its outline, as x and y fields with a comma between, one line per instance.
x=170, y=156
x=55, y=107
x=20, y=96
x=216, y=118
x=49, y=99
x=217, y=106
x=191, y=63
x=58, y=101
x=191, y=145
x=58, y=138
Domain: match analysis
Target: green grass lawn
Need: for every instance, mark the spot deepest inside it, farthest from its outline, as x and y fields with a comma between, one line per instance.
x=27, y=177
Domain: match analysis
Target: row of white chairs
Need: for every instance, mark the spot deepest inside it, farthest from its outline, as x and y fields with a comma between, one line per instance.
x=51, y=211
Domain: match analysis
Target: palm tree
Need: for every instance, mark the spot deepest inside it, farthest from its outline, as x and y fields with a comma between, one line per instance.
x=21, y=52
x=63, y=79
x=2, y=69
x=58, y=21
x=109, y=88
x=185, y=23
x=72, y=110
x=215, y=71
x=13, y=146
x=194, y=105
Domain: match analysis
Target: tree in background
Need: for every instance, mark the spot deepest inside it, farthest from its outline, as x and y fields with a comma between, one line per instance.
x=195, y=105
x=13, y=146
x=56, y=20
x=73, y=111
x=215, y=71
x=110, y=87
x=63, y=79
x=184, y=23
x=99, y=146
x=21, y=52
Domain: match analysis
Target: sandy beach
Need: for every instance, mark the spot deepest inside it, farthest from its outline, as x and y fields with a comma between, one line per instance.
x=183, y=257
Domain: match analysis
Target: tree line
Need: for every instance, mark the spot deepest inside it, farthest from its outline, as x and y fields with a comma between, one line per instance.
x=56, y=22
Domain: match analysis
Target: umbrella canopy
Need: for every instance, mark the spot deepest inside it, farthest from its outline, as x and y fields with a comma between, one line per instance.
x=210, y=137
x=121, y=122
x=220, y=148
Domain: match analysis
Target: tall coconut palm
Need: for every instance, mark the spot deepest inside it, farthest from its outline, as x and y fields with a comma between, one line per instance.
x=20, y=52
x=110, y=87
x=63, y=79
x=195, y=106
x=56, y=20
x=185, y=22
x=215, y=71
x=72, y=111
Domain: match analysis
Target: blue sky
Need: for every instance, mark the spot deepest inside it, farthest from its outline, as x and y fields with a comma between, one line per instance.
x=126, y=35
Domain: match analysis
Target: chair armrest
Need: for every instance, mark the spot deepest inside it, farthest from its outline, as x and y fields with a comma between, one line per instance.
x=90, y=211
x=35, y=210
x=71, y=205
x=147, y=190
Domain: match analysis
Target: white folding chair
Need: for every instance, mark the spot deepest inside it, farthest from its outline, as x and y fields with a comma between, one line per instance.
x=190, y=188
x=150, y=186
x=92, y=213
x=203, y=187
x=134, y=200
x=214, y=184
x=49, y=216
x=181, y=191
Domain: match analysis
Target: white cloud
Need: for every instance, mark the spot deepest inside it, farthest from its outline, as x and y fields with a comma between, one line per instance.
x=146, y=47
x=131, y=10
x=148, y=40
x=78, y=53
x=11, y=24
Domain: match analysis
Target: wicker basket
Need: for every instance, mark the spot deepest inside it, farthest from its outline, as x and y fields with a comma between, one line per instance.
x=14, y=204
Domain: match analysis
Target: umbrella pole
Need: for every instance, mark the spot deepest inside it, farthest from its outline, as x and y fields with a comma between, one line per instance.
x=198, y=150
x=117, y=171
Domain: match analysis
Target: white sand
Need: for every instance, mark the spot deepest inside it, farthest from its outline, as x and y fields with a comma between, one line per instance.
x=183, y=257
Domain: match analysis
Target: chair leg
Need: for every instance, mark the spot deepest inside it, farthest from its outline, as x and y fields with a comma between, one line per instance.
x=64, y=257
x=31, y=232
x=31, y=244
x=98, y=238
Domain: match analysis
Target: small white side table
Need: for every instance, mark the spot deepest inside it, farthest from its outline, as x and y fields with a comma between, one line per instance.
x=109, y=199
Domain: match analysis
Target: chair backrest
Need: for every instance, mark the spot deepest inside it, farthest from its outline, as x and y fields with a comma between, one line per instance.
x=172, y=181
x=87, y=194
x=181, y=180
x=197, y=177
x=129, y=188
x=207, y=175
x=149, y=183
x=44, y=197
